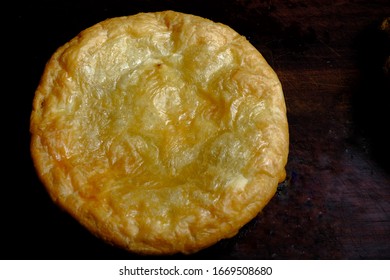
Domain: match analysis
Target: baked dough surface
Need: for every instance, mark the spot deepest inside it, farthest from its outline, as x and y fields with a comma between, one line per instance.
x=160, y=132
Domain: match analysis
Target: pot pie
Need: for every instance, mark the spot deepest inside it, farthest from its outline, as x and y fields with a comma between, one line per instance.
x=160, y=132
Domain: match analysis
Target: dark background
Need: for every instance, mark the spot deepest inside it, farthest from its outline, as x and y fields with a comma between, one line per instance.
x=329, y=56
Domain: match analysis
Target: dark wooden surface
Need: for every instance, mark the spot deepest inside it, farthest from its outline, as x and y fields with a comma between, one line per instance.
x=335, y=203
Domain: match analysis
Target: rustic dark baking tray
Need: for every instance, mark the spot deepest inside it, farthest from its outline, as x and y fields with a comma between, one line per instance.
x=329, y=55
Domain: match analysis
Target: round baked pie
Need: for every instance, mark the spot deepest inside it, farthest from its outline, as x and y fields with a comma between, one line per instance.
x=160, y=132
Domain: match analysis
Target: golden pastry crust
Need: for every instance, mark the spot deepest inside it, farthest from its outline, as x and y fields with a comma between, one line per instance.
x=160, y=132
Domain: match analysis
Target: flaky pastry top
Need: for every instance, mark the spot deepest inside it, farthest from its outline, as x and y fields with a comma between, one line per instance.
x=160, y=132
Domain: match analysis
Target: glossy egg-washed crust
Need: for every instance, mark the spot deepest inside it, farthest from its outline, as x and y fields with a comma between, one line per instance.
x=160, y=132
